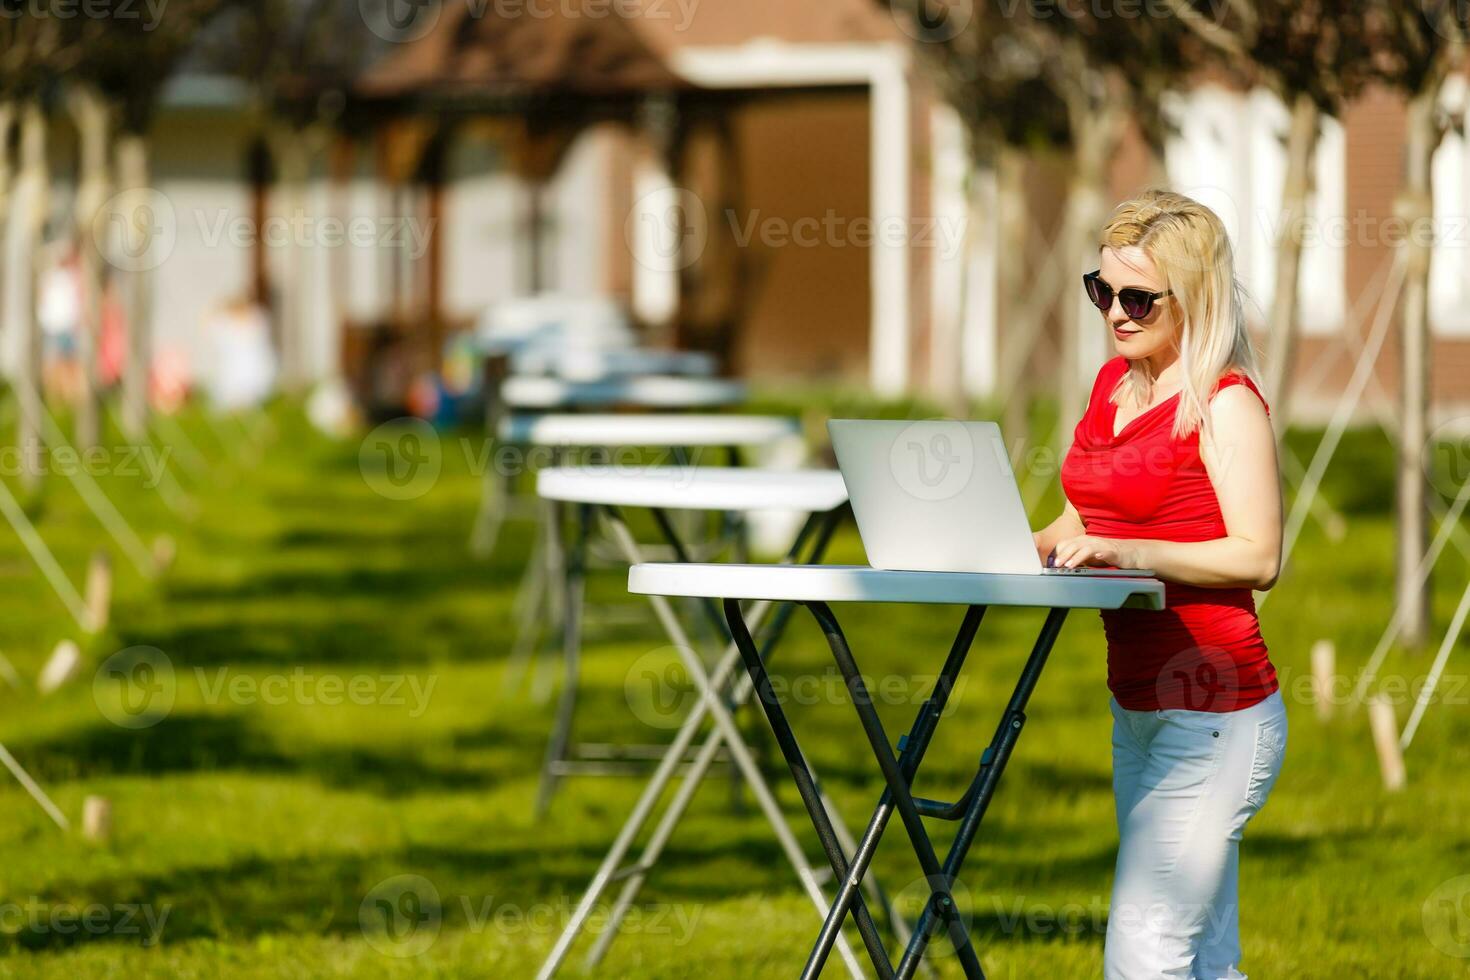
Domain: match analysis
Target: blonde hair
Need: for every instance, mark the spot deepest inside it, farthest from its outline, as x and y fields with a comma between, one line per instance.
x=1189, y=246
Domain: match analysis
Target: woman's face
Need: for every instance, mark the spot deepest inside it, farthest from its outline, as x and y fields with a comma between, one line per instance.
x=1157, y=332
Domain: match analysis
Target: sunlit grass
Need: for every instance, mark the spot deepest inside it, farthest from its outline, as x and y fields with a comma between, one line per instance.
x=257, y=825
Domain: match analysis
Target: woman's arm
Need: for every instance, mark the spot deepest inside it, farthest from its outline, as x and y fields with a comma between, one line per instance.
x=1067, y=525
x=1241, y=462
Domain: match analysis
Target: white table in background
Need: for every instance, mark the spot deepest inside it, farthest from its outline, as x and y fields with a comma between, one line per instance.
x=558, y=436
x=621, y=393
x=591, y=364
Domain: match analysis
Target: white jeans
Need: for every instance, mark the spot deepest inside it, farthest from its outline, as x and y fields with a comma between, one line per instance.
x=1185, y=784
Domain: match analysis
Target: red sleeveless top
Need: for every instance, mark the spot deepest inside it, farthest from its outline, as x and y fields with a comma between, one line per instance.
x=1204, y=651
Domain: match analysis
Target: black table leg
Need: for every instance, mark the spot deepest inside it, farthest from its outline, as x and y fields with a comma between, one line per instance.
x=898, y=773
x=911, y=751
x=805, y=784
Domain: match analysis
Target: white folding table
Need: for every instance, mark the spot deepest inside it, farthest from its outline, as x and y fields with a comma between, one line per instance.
x=603, y=492
x=822, y=495
x=559, y=435
x=538, y=393
x=592, y=363
x=637, y=391
x=817, y=586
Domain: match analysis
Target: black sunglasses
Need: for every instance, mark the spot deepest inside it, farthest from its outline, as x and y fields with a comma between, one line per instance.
x=1137, y=303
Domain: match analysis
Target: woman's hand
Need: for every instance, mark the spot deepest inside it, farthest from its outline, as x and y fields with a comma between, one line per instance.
x=1067, y=525
x=1086, y=549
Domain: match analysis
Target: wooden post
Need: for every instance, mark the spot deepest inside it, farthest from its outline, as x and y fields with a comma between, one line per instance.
x=8, y=673
x=1386, y=740
x=164, y=553
x=1324, y=670
x=99, y=590
x=65, y=664
x=97, y=818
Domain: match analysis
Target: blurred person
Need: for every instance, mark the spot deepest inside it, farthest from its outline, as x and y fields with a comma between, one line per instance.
x=241, y=368
x=112, y=341
x=169, y=380
x=59, y=311
x=1173, y=468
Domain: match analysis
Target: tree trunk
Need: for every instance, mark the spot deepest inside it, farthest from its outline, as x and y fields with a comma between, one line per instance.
x=1415, y=205
x=7, y=121
x=132, y=174
x=1095, y=137
x=293, y=167
x=32, y=193
x=978, y=323
x=89, y=113
x=1012, y=383
x=1282, y=327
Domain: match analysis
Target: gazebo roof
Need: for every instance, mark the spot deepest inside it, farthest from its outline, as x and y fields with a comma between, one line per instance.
x=494, y=57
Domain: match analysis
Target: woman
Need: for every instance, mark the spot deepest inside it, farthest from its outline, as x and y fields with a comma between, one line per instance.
x=1173, y=468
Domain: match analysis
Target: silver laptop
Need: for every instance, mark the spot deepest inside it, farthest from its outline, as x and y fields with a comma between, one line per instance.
x=939, y=496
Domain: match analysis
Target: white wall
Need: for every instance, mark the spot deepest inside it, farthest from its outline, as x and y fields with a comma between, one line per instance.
x=1449, y=269
x=1239, y=171
x=199, y=167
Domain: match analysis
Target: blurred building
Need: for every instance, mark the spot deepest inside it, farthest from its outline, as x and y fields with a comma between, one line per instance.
x=820, y=152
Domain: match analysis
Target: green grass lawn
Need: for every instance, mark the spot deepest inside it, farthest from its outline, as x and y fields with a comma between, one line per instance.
x=339, y=720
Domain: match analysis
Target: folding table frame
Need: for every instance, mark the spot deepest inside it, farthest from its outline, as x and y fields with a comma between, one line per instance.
x=849, y=863
x=716, y=702
x=507, y=393
x=569, y=560
x=563, y=434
